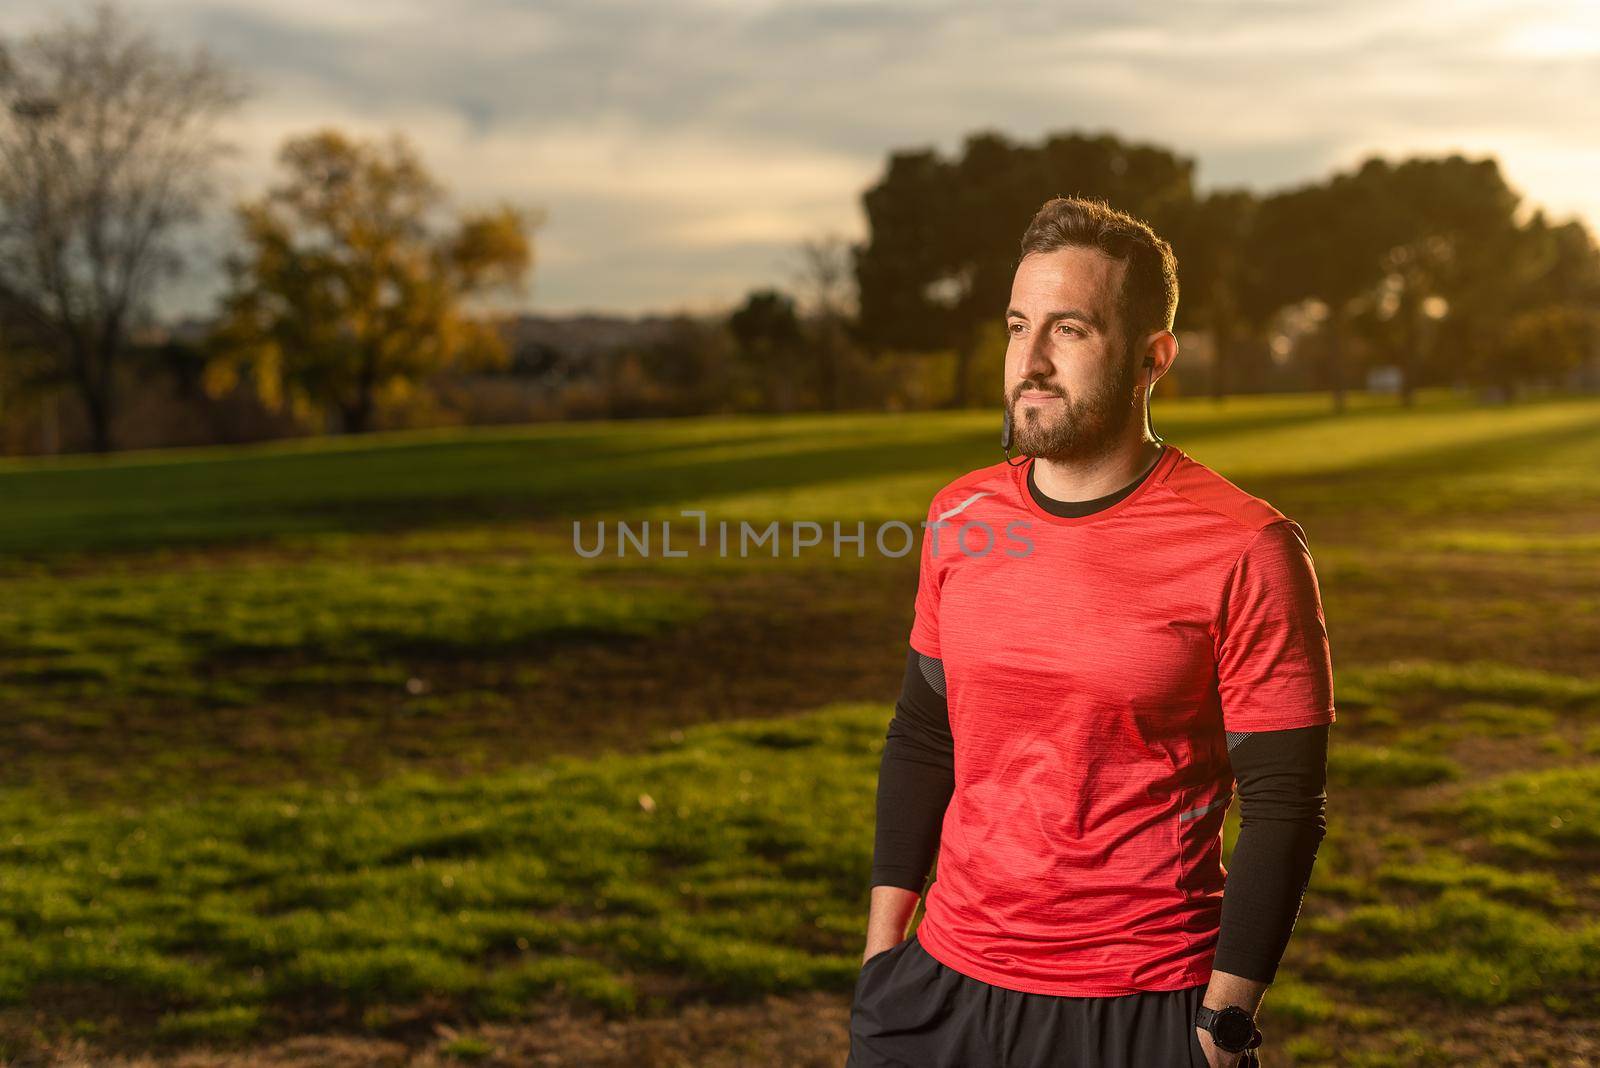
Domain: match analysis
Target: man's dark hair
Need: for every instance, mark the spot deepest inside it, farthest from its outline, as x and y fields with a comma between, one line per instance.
x=1149, y=298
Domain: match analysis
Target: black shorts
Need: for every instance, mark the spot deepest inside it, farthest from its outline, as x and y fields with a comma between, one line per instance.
x=911, y=1011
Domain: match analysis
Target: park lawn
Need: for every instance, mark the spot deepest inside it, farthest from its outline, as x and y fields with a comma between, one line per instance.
x=1444, y=458
x=727, y=859
x=320, y=731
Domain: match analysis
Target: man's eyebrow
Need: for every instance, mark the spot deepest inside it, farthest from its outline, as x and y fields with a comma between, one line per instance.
x=1067, y=313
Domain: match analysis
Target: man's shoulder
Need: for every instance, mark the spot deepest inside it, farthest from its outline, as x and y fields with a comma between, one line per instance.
x=1204, y=488
x=958, y=493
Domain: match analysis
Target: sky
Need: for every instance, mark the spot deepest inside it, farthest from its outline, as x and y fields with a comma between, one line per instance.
x=680, y=150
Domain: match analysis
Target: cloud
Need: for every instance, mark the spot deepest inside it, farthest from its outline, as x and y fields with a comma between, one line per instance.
x=682, y=149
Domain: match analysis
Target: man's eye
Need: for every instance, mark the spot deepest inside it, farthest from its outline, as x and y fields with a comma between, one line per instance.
x=1071, y=329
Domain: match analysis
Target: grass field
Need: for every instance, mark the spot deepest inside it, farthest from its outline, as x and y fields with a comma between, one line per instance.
x=342, y=739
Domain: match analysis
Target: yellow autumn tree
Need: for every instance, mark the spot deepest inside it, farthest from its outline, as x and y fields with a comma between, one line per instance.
x=352, y=284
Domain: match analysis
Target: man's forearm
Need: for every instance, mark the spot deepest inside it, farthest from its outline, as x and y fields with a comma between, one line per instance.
x=916, y=778
x=1225, y=989
x=915, y=782
x=892, y=909
x=1282, y=779
x=1282, y=799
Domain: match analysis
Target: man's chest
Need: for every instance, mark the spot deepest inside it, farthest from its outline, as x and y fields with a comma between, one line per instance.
x=1080, y=628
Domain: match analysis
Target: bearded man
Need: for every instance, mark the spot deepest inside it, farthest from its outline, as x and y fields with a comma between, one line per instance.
x=1077, y=714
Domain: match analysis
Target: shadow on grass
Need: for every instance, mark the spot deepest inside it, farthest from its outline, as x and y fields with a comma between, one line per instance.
x=492, y=476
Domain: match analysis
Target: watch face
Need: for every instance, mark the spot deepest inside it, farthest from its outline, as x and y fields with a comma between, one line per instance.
x=1233, y=1028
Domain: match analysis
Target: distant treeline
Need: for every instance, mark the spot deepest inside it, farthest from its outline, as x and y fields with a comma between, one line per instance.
x=355, y=301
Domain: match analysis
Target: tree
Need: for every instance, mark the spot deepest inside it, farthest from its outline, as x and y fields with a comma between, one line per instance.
x=1326, y=241
x=1547, y=341
x=1209, y=239
x=1523, y=305
x=107, y=146
x=825, y=277
x=945, y=235
x=1450, y=209
x=348, y=292
x=903, y=270
x=694, y=365
x=767, y=329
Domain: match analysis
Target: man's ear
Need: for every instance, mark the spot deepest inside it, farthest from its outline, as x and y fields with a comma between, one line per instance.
x=1161, y=349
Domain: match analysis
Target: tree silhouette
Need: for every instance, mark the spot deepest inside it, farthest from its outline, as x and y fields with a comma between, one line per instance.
x=825, y=277
x=769, y=335
x=944, y=235
x=1326, y=241
x=1218, y=285
x=1523, y=304
x=1448, y=209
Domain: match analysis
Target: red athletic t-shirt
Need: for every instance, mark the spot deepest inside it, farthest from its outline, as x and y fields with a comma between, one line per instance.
x=1092, y=667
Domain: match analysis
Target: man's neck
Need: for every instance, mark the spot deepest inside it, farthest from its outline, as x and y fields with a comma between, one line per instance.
x=1082, y=480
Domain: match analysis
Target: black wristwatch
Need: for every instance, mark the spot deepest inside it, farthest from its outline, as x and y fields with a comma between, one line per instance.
x=1231, y=1028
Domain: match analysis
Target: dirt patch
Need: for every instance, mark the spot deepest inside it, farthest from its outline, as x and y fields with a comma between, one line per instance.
x=810, y=1031
x=772, y=642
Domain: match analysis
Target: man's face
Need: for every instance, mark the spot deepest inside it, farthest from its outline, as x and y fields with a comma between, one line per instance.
x=1071, y=378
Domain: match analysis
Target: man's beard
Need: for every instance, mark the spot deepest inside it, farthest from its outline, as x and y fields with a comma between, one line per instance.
x=1080, y=429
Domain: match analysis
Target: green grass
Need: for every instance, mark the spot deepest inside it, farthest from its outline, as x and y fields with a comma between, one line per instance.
x=223, y=1023
x=157, y=633
x=467, y=1048
x=1438, y=870
x=1506, y=542
x=731, y=856
x=1556, y=807
x=1463, y=948
x=869, y=467
x=1487, y=680
x=1353, y=764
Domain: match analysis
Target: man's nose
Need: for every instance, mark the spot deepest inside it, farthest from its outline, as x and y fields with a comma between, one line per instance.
x=1036, y=358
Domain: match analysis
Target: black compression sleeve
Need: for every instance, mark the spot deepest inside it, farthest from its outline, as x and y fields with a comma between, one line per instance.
x=915, y=779
x=1282, y=783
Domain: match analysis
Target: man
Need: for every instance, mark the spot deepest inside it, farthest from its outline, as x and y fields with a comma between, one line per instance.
x=1108, y=637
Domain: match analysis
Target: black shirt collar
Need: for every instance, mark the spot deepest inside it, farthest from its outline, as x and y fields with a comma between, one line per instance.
x=1077, y=509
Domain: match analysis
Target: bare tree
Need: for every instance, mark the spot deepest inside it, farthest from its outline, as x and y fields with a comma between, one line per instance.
x=825, y=277
x=107, y=146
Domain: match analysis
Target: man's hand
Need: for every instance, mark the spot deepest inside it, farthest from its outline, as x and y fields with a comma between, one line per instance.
x=1223, y=990
x=873, y=951
x=1216, y=1058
